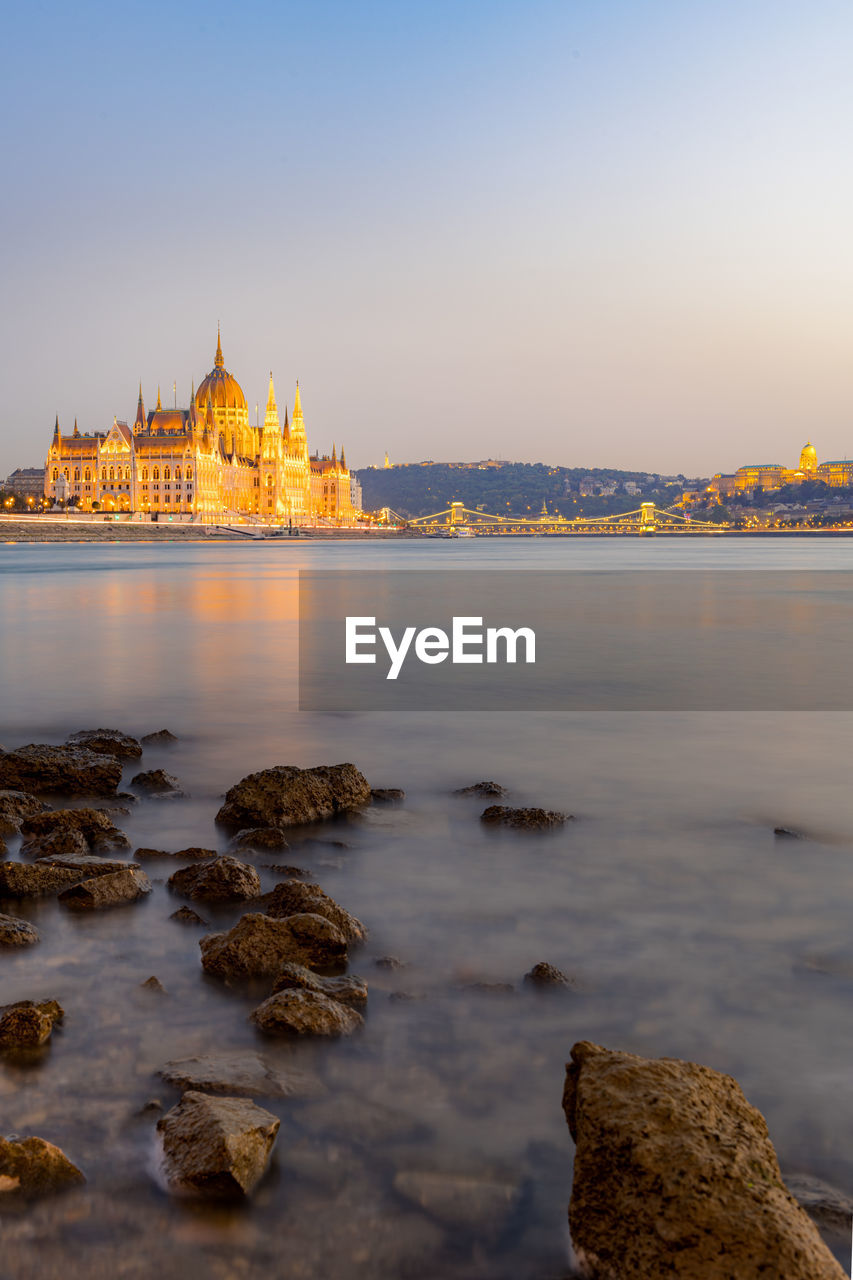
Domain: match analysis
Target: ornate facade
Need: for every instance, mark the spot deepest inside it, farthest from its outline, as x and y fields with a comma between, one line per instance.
x=772, y=475
x=206, y=461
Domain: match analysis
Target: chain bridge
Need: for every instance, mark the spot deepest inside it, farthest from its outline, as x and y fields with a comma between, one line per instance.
x=460, y=521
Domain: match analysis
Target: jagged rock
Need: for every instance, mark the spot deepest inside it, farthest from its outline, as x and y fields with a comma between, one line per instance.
x=186, y=915
x=260, y=838
x=223, y=880
x=216, y=1148
x=296, y=898
x=477, y=1203
x=157, y=782
x=523, y=819
x=50, y=875
x=828, y=1207
x=348, y=989
x=482, y=789
x=386, y=795
x=193, y=852
x=258, y=945
x=300, y=1012
x=33, y=1167
x=17, y=933
x=287, y=796
x=107, y=742
x=67, y=770
x=240, y=1074
x=3, y=849
x=27, y=1023
x=114, y=890
x=675, y=1174
x=547, y=975
x=162, y=738
x=389, y=962
x=61, y=830
x=283, y=869
x=153, y=984
x=15, y=806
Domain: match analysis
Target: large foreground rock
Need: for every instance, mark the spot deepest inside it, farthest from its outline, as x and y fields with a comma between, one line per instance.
x=15, y=806
x=107, y=742
x=296, y=897
x=241, y=1073
x=71, y=831
x=299, y=1012
x=217, y=1148
x=222, y=880
x=675, y=1175
x=347, y=989
x=286, y=796
x=50, y=875
x=33, y=1167
x=27, y=1024
x=17, y=933
x=114, y=890
x=72, y=771
x=257, y=946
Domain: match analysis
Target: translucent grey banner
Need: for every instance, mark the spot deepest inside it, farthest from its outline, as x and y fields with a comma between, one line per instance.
x=651, y=640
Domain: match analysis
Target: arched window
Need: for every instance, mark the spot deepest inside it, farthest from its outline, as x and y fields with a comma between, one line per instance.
x=177, y=473
x=112, y=473
x=76, y=473
x=144, y=473
x=167, y=473
x=103, y=473
x=87, y=474
x=269, y=482
x=55, y=475
x=189, y=473
x=127, y=473
x=156, y=473
x=65, y=473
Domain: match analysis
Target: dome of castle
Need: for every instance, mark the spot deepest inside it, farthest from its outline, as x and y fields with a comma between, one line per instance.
x=223, y=388
x=808, y=458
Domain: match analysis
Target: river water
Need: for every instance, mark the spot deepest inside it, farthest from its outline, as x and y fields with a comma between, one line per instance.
x=688, y=929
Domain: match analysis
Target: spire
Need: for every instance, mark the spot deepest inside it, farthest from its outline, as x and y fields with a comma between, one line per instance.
x=271, y=415
x=139, y=425
x=334, y=456
x=271, y=397
x=297, y=403
x=56, y=427
x=343, y=459
x=159, y=406
x=219, y=362
x=76, y=430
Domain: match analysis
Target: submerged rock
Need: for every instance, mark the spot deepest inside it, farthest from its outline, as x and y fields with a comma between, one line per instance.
x=17, y=933
x=50, y=875
x=27, y=1023
x=788, y=833
x=301, y=1012
x=389, y=962
x=261, y=838
x=348, y=989
x=546, y=975
x=186, y=915
x=161, y=738
x=73, y=771
x=675, y=1174
x=241, y=1073
x=117, y=889
x=286, y=796
x=154, y=985
x=193, y=853
x=15, y=806
x=33, y=1167
x=482, y=789
x=296, y=897
x=258, y=945
x=107, y=742
x=523, y=819
x=157, y=782
x=216, y=1148
x=825, y=1205
x=387, y=795
x=62, y=830
x=223, y=880
x=477, y=1203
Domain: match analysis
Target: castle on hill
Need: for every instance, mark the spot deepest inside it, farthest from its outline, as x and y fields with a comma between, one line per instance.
x=207, y=461
x=771, y=475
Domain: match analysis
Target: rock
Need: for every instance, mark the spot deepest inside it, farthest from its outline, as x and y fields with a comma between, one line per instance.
x=17, y=933
x=787, y=833
x=114, y=890
x=193, y=852
x=3, y=849
x=287, y=796
x=523, y=819
x=222, y=880
x=482, y=789
x=15, y=806
x=348, y=989
x=69, y=770
x=153, y=984
x=829, y=1208
x=260, y=838
x=389, y=962
x=61, y=830
x=240, y=1074
x=475, y=1203
x=187, y=916
x=675, y=1174
x=50, y=875
x=547, y=975
x=157, y=782
x=107, y=742
x=162, y=738
x=33, y=1167
x=282, y=869
x=305, y=1013
x=386, y=795
x=296, y=897
x=216, y=1148
x=258, y=945
x=27, y=1024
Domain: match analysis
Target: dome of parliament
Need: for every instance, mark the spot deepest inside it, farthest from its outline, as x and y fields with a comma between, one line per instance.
x=223, y=388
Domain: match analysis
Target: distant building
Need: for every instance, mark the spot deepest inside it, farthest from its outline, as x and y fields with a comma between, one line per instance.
x=26, y=482
x=356, y=496
x=772, y=475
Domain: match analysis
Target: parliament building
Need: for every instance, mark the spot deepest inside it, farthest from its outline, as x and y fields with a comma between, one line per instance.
x=206, y=462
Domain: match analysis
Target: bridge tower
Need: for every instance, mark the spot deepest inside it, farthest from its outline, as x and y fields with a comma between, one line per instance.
x=456, y=513
x=648, y=518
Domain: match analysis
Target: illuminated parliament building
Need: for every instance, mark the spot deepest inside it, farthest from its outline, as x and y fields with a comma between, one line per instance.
x=206, y=462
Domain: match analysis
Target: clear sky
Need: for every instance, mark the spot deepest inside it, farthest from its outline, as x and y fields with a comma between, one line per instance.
x=587, y=232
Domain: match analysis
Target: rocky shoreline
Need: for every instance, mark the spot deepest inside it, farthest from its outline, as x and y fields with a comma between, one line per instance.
x=674, y=1171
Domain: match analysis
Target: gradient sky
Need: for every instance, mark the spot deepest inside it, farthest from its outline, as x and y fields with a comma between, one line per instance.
x=589, y=233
